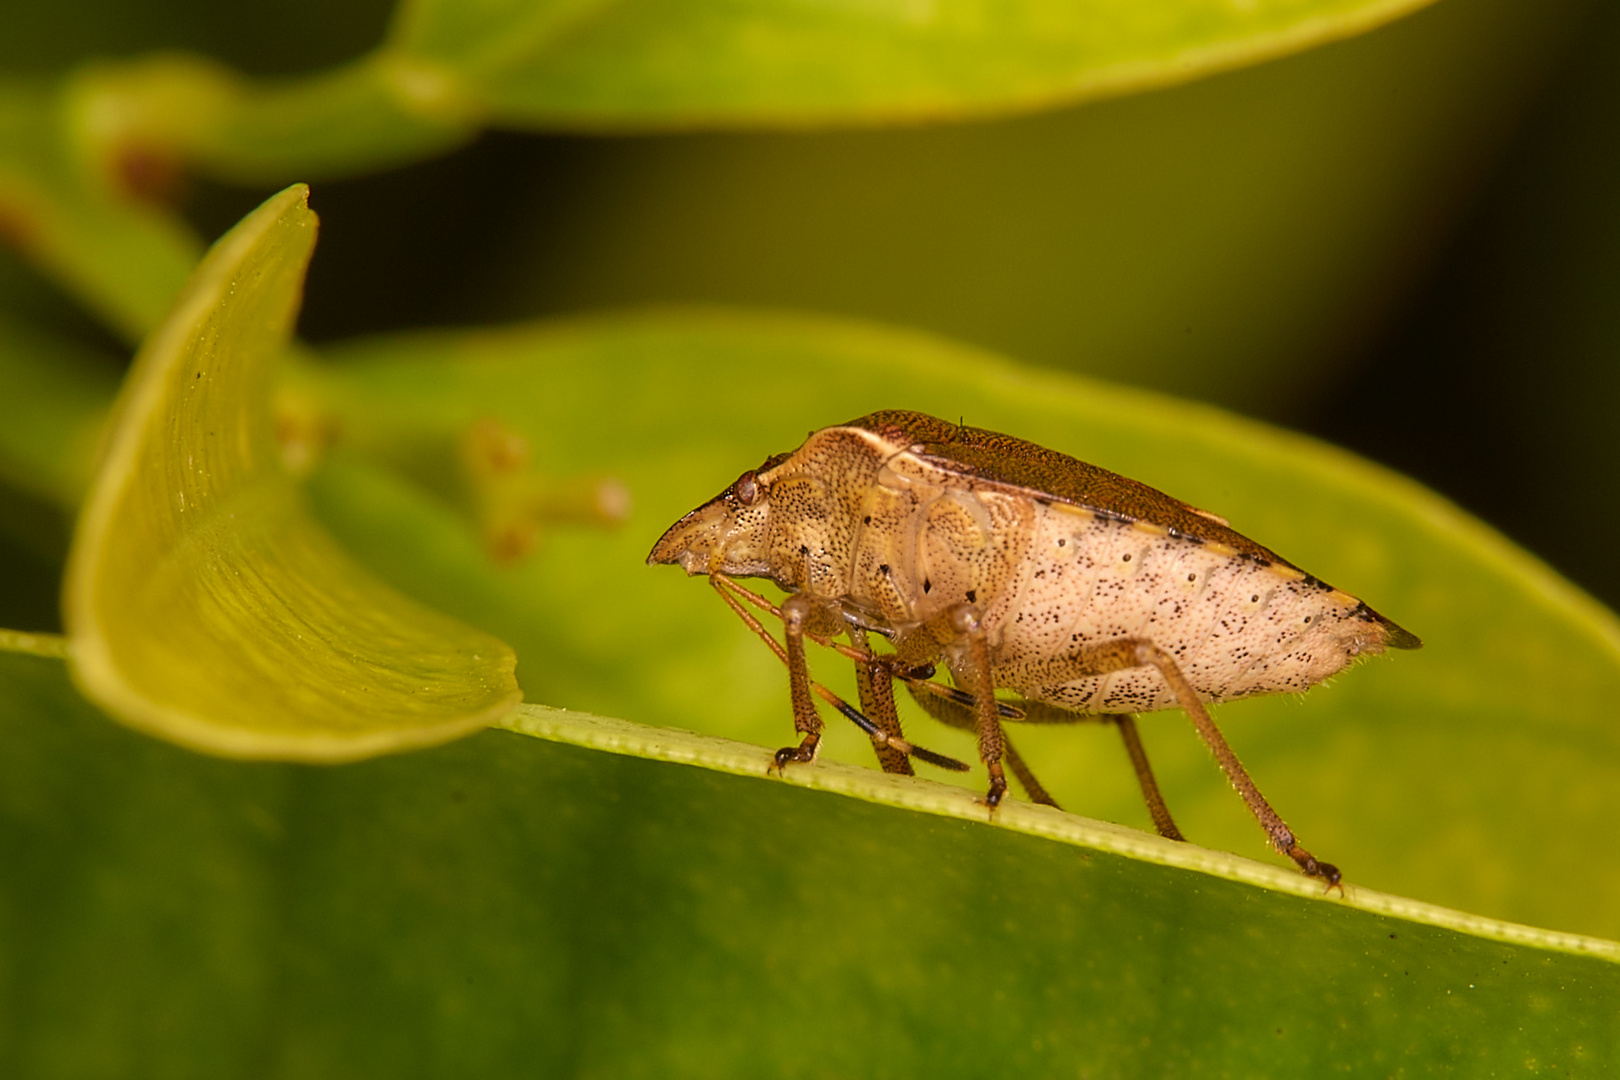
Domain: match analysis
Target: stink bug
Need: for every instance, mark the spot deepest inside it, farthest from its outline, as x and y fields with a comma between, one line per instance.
x=1085, y=593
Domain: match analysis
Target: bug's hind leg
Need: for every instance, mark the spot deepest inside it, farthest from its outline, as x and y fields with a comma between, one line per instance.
x=1124, y=653
x=874, y=680
x=958, y=714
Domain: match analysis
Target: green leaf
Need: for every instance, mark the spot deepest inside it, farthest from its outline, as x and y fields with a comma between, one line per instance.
x=377, y=111
x=1476, y=773
x=595, y=64
x=203, y=604
x=505, y=905
x=448, y=69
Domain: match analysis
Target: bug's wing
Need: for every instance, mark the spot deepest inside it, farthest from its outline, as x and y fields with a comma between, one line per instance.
x=988, y=458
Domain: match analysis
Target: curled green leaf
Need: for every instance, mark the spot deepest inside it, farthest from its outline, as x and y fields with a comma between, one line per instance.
x=203, y=603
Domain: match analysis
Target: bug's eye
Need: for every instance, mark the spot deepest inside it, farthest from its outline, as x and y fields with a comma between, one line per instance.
x=747, y=489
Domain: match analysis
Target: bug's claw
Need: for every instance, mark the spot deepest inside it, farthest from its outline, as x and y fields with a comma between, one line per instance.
x=802, y=754
x=1312, y=868
x=1330, y=873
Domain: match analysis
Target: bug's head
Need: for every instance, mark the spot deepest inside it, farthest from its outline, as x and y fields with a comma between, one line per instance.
x=729, y=533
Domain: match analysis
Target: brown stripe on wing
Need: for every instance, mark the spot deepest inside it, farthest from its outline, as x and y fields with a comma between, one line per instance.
x=1015, y=464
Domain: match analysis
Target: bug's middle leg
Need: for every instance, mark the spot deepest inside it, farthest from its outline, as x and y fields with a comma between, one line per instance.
x=960, y=715
x=1157, y=809
x=962, y=625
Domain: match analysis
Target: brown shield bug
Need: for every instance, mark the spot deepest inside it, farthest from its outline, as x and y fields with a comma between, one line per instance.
x=1087, y=594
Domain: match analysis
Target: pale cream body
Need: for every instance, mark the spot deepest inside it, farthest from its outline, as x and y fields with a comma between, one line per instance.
x=897, y=543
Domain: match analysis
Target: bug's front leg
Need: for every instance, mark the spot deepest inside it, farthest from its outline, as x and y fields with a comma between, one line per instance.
x=818, y=622
x=1125, y=724
x=796, y=611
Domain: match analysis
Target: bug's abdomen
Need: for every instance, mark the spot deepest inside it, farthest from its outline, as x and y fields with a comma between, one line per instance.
x=1236, y=626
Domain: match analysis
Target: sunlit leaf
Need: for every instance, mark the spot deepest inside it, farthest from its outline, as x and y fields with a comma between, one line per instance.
x=203, y=603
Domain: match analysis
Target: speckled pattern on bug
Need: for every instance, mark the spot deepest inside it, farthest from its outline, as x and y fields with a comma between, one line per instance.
x=1026, y=570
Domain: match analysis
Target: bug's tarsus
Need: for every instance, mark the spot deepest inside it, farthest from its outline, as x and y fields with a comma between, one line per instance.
x=1330, y=874
x=803, y=754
